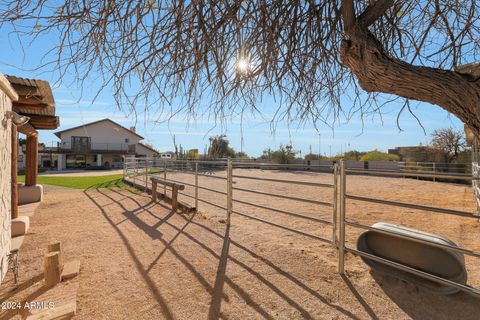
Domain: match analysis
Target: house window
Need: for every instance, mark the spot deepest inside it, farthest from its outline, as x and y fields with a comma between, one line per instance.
x=76, y=161
x=80, y=144
x=127, y=140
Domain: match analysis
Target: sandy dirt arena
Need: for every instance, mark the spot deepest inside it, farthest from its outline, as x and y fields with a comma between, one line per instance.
x=142, y=261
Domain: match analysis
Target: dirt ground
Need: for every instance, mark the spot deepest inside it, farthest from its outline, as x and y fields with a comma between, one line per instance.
x=141, y=261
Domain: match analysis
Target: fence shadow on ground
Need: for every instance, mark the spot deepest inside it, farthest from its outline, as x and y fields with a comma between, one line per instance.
x=215, y=304
x=410, y=306
x=258, y=275
x=17, y=290
x=214, y=311
x=217, y=289
x=167, y=313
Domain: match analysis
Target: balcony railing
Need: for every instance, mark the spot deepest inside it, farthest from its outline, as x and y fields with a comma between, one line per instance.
x=97, y=147
x=89, y=148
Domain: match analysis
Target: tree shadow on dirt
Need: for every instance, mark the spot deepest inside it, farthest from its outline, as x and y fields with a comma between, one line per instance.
x=419, y=304
x=168, y=245
x=280, y=271
x=221, y=278
x=167, y=313
x=278, y=291
x=217, y=290
x=359, y=297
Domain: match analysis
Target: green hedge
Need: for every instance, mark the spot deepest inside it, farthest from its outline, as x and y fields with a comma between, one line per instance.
x=21, y=172
x=95, y=168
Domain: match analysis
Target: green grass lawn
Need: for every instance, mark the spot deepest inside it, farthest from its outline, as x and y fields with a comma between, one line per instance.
x=87, y=182
x=155, y=170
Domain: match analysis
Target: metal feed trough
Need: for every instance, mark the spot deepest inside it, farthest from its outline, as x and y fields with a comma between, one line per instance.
x=402, y=245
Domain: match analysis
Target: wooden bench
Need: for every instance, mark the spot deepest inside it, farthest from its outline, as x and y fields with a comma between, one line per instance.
x=175, y=187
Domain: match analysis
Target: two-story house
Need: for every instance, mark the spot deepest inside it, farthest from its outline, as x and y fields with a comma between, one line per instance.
x=102, y=143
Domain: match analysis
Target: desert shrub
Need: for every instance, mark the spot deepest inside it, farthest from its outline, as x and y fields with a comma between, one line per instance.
x=376, y=155
x=21, y=172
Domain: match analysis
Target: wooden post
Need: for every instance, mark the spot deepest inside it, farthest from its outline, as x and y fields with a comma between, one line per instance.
x=14, y=168
x=229, y=190
x=32, y=160
x=56, y=247
x=341, y=241
x=35, y=159
x=164, y=178
x=154, y=191
x=196, y=186
x=51, y=269
x=335, y=204
x=174, y=197
x=146, y=175
x=28, y=154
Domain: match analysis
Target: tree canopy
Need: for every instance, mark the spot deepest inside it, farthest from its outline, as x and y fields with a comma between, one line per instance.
x=308, y=55
x=284, y=154
x=449, y=141
x=220, y=147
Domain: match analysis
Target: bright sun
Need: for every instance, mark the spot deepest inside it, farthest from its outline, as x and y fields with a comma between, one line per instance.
x=243, y=65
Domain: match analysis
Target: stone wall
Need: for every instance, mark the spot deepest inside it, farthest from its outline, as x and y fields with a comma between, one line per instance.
x=6, y=96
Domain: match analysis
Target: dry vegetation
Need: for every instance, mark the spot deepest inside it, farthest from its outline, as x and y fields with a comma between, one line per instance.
x=140, y=261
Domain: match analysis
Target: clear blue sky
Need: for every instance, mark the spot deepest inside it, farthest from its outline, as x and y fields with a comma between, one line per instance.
x=76, y=108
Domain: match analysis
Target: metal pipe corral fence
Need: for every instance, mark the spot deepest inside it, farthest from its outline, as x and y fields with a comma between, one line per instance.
x=343, y=248
x=137, y=171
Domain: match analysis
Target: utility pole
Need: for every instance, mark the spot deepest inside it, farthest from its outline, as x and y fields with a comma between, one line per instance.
x=175, y=146
x=319, y=145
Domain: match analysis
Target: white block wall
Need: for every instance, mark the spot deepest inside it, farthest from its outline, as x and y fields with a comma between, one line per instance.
x=6, y=96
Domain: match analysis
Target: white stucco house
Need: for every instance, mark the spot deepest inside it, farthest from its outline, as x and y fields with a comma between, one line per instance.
x=47, y=157
x=167, y=155
x=101, y=143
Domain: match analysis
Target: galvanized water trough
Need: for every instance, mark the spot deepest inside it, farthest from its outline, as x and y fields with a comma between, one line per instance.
x=426, y=257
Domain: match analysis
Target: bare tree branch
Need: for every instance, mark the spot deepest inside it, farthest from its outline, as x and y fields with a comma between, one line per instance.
x=373, y=12
x=309, y=57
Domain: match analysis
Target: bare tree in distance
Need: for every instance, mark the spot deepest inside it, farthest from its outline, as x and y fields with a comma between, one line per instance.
x=314, y=57
x=449, y=141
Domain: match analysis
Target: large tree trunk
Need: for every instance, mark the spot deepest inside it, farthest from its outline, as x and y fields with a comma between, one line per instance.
x=376, y=71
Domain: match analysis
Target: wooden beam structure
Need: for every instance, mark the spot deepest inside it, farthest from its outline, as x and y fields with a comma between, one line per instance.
x=175, y=188
x=34, y=100
x=27, y=129
x=32, y=160
x=43, y=122
x=14, y=171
